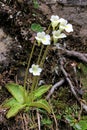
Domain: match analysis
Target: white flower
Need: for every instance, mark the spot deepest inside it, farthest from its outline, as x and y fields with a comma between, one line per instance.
x=35, y=70
x=54, y=21
x=44, y=38
x=69, y=28
x=65, y=26
x=40, y=36
x=58, y=35
x=63, y=21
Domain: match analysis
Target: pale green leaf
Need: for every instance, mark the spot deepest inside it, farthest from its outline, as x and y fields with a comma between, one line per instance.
x=10, y=102
x=41, y=104
x=41, y=90
x=83, y=124
x=17, y=92
x=77, y=126
x=14, y=110
x=38, y=93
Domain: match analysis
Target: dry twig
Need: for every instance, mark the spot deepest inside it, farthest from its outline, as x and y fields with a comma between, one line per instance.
x=83, y=105
x=55, y=86
x=38, y=117
x=80, y=56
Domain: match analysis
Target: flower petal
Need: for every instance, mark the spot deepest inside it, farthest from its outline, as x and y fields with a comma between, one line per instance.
x=57, y=35
x=63, y=21
x=62, y=35
x=40, y=36
x=54, y=21
x=30, y=70
x=46, y=40
x=69, y=28
x=54, y=18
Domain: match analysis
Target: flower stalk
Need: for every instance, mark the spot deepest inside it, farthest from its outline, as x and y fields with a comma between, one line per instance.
x=26, y=73
x=41, y=64
x=44, y=56
x=38, y=60
x=58, y=25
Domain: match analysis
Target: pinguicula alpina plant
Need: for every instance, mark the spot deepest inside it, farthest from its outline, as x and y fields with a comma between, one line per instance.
x=24, y=98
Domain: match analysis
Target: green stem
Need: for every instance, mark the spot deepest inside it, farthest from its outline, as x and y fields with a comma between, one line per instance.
x=38, y=60
x=41, y=63
x=36, y=82
x=33, y=84
x=48, y=29
x=55, y=40
x=44, y=56
x=36, y=78
x=26, y=73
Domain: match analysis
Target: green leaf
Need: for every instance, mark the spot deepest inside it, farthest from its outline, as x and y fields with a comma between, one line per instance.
x=36, y=27
x=46, y=121
x=77, y=126
x=83, y=74
x=83, y=124
x=36, y=5
x=69, y=118
x=41, y=90
x=41, y=104
x=17, y=92
x=38, y=93
x=14, y=110
x=10, y=102
x=83, y=68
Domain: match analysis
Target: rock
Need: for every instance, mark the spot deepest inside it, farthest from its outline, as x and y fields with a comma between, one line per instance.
x=9, y=49
x=68, y=2
x=4, y=42
x=75, y=12
x=51, y=1
x=73, y=2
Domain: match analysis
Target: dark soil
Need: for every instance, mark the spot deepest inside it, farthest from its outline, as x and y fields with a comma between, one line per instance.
x=16, y=40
